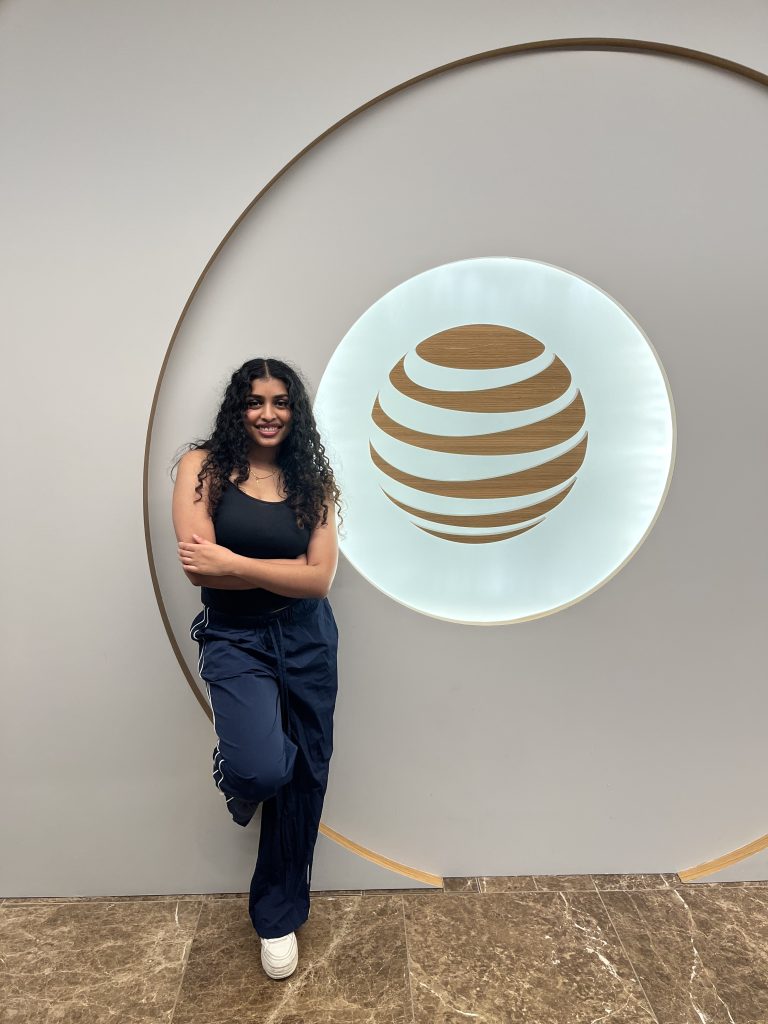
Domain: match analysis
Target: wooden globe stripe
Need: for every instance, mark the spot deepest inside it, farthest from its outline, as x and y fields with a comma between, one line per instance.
x=534, y=437
x=517, y=515
x=478, y=538
x=479, y=347
x=513, y=485
x=538, y=390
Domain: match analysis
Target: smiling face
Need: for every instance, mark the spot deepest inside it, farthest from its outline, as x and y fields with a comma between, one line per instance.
x=267, y=414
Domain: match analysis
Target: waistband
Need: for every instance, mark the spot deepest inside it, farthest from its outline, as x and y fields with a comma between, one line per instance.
x=295, y=611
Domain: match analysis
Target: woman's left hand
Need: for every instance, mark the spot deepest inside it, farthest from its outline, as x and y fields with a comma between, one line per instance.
x=205, y=557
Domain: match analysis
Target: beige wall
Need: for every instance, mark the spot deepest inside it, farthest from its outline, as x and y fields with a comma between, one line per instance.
x=134, y=136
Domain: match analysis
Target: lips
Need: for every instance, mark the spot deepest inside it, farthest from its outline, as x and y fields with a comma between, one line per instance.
x=268, y=431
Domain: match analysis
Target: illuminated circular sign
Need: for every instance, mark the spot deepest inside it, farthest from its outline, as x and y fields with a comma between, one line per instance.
x=503, y=435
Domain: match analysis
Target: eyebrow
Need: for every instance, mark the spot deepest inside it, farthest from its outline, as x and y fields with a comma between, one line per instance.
x=282, y=394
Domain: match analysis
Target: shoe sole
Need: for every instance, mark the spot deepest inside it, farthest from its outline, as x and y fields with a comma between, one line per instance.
x=279, y=977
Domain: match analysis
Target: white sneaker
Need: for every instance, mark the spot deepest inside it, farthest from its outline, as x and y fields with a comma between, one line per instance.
x=280, y=956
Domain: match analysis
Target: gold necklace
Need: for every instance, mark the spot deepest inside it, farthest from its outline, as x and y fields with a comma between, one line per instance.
x=257, y=478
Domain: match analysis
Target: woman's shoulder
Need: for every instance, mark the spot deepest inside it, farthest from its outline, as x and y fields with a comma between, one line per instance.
x=190, y=464
x=194, y=458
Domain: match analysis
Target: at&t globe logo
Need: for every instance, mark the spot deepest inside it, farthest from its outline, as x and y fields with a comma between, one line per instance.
x=487, y=349
x=503, y=435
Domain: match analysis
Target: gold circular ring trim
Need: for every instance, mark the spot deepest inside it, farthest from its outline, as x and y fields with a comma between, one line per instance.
x=550, y=45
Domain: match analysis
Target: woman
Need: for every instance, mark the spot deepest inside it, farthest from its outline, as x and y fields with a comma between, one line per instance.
x=254, y=510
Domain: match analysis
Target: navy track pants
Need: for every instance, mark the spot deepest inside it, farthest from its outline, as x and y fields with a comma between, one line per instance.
x=271, y=682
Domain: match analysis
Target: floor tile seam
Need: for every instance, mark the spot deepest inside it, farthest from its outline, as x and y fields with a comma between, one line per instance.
x=541, y=888
x=472, y=879
x=527, y=894
x=55, y=901
x=496, y=892
x=707, y=972
x=167, y=897
x=630, y=961
x=394, y=891
x=407, y=959
x=538, y=887
x=664, y=887
x=18, y=901
x=185, y=961
x=442, y=995
x=293, y=993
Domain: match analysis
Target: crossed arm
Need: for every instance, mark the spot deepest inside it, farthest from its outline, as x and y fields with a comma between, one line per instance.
x=209, y=564
x=308, y=575
x=218, y=582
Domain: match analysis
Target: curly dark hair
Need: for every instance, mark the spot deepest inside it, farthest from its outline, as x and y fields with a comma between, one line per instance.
x=307, y=474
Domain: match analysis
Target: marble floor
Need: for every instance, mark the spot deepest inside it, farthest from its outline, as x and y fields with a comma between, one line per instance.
x=528, y=950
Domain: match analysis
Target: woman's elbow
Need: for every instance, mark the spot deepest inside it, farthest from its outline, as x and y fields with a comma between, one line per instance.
x=322, y=585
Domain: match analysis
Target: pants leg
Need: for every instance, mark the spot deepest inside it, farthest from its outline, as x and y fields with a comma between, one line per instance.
x=279, y=893
x=272, y=691
x=252, y=758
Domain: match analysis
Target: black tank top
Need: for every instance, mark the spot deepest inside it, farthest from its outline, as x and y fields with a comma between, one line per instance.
x=257, y=529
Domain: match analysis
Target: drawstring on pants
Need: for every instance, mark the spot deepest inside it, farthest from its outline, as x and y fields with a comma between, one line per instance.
x=284, y=795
